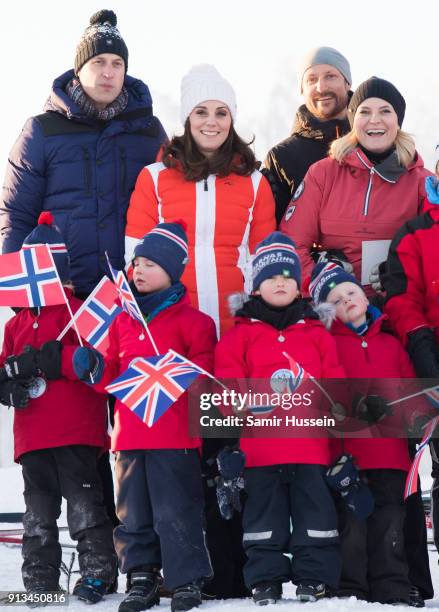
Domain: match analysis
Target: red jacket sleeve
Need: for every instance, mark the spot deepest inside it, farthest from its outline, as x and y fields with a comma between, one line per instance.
x=404, y=280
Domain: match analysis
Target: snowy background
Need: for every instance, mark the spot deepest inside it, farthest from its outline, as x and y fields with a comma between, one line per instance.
x=258, y=46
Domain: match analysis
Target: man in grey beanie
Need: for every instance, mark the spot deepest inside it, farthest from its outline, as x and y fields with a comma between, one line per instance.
x=324, y=81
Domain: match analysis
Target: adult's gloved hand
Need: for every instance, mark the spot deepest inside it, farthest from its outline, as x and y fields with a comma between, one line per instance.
x=335, y=256
x=424, y=352
x=230, y=461
x=371, y=408
x=343, y=476
x=88, y=364
x=375, y=276
x=14, y=393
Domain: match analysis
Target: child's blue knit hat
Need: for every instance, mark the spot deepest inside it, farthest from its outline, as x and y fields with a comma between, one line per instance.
x=47, y=233
x=274, y=255
x=325, y=276
x=166, y=245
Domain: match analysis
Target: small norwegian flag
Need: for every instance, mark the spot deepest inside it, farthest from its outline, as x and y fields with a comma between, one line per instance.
x=29, y=278
x=97, y=313
x=126, y=296
x=298, y=374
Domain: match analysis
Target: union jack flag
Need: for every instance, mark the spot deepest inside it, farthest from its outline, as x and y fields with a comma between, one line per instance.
x=411, y=483
x=150, y=386
x=29, y=278
x=97, y=313
x=126, y=296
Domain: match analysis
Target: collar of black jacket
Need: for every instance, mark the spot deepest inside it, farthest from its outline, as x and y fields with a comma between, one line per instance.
x=308, y=126
x=279, y=318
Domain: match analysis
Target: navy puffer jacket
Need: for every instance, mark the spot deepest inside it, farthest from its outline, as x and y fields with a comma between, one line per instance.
x=83, y=171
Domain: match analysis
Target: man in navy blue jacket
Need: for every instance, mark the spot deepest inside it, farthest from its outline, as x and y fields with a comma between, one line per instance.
x=80, y=160
x=81, y=157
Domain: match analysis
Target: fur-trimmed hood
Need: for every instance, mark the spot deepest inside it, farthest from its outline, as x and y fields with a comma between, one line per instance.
x=326, y=312
x=236, y=301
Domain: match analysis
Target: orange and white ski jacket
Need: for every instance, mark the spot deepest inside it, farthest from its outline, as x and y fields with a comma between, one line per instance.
x=226, y=217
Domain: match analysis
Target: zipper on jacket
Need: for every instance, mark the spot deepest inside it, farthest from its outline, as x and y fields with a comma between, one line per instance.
x=369, y=189
x=123, y=170
x=87, y=170
x=206, y=188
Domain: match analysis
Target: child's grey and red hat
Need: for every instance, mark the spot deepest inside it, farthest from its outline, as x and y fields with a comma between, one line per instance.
x=325, y=276
x=274, y=255
x=166, y=245
x=47, y=233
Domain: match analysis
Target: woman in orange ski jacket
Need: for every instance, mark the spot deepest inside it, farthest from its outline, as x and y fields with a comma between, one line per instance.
x=208, y=177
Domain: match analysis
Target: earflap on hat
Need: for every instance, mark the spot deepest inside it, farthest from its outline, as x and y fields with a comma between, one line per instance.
x=47, y=233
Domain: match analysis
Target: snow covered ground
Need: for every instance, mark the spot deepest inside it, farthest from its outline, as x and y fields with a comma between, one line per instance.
x=10, y=561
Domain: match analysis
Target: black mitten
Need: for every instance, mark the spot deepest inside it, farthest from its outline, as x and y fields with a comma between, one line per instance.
x=231, y=461
x=424, y=352
x=371, y=408
x=14, y=393
x=23, y=365
x=49, y=359
x=228, y=494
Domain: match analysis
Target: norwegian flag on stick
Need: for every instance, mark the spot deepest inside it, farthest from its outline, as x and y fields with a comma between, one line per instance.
x=127, y=299
x=95, y=316
x=29, y=278
x=411, y=483
x=150, y=386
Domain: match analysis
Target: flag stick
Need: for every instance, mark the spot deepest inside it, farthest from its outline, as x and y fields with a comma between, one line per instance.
x=141, y=318
x=325, y=393
x=407, y=397
x=65, y=330
x=73, y=322
x=202, y=370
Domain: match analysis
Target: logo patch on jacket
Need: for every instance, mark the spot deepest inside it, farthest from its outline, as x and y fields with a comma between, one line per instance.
x=280, y=381
x=289, y=213
x=299, y=191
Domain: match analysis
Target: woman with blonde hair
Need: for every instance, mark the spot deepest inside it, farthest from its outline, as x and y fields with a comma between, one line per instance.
x=371, y=183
